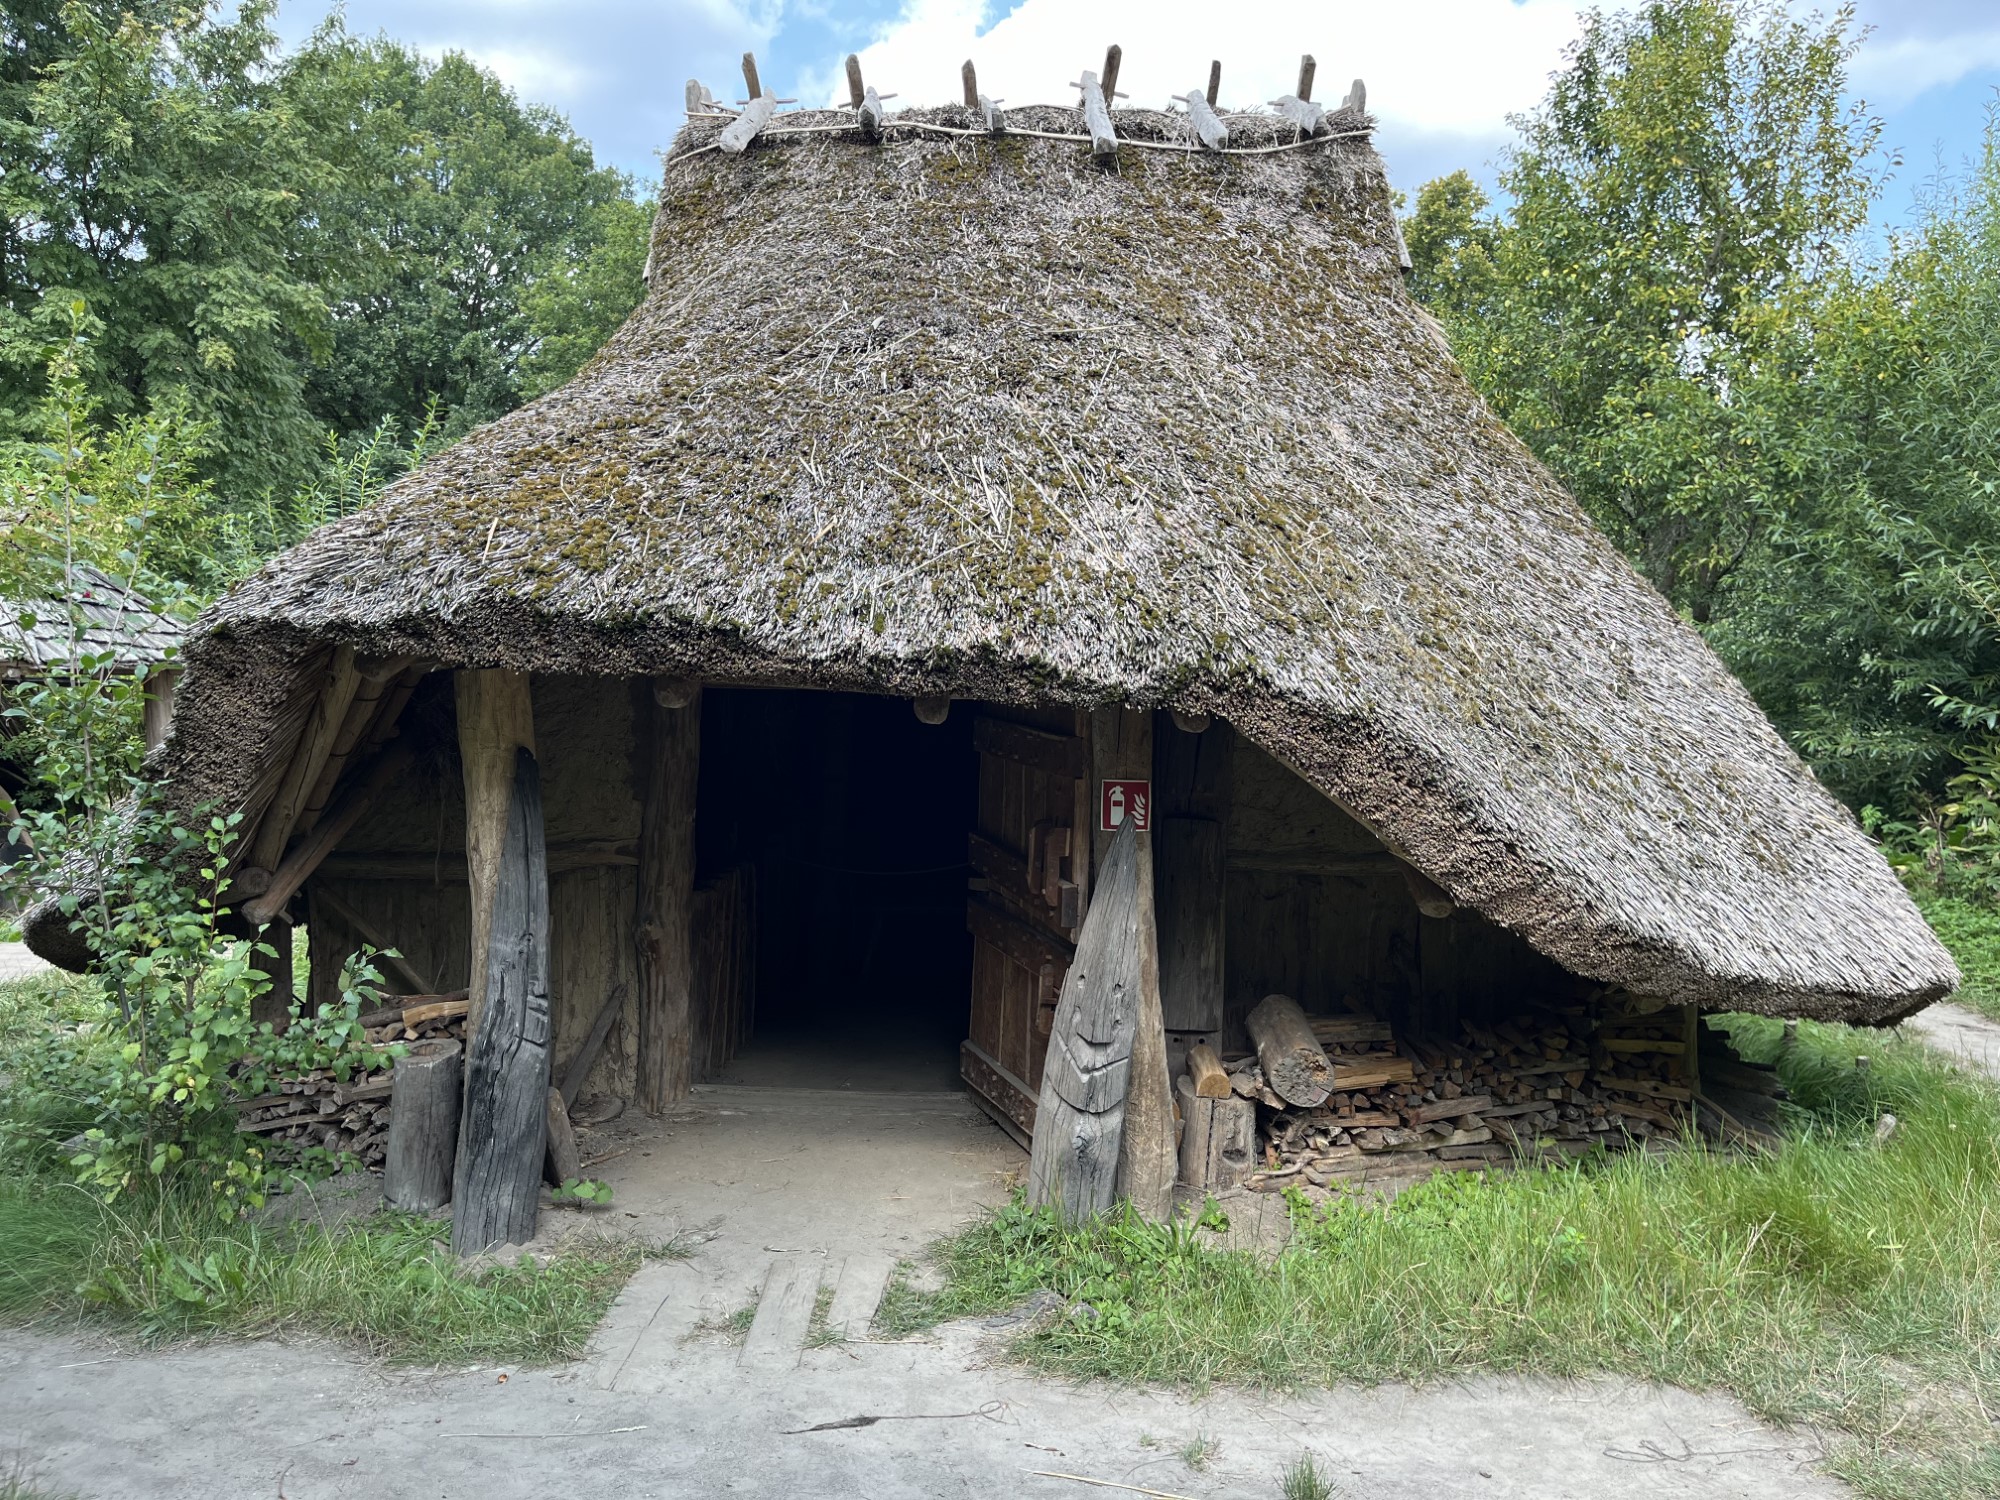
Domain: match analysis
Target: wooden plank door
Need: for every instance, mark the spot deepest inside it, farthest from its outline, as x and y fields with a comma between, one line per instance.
x=1030, y=857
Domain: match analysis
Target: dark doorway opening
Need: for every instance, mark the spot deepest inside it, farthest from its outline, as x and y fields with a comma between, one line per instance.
x=853, y=816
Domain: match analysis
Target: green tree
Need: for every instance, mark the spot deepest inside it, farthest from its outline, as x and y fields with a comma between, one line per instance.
x=474, y=252
x=151, y=167
x=1694, y=171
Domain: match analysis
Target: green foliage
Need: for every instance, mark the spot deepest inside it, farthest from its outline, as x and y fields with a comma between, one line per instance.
x=1971, y=930
x=1691, y=172
x=582, y=1192
x=1837, y=1282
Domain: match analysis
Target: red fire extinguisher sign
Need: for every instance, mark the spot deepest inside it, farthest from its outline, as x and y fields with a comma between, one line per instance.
x=1126, y=799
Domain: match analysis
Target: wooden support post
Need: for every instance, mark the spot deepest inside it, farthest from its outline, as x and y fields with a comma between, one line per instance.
x=1097, y=118
x=1214, y=82
x=1121, y=749
x=969, y=77
x=1079, y=1124
x=1215, y=137
x=1147, y=1162
x=1307, y=67
x=663, y=928
x=502, y=1137
x=275, y=1004
x=281, y=884
x=496, y=717
x=316, y=740
x=855, y=95
x=1294, y=1063
x=1113, y=56
x=752, y=88
x=424, y=1096
x=161, y=683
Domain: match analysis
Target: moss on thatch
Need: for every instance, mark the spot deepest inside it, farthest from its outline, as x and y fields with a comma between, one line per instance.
x=985, y=417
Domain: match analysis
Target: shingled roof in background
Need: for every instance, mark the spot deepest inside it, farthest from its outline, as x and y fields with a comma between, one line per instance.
x=911, y=407
x=110, y=620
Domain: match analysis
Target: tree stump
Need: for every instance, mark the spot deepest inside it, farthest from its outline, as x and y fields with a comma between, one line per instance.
x=423, y=1126
x=497, y=1187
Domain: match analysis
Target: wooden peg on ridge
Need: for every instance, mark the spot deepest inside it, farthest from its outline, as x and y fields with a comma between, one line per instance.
x=1357, y=97
x=855, y=97
x=1214, y=81
x=750, y=83
x=969, y=76
x=1307, y=67
x=1113, y=55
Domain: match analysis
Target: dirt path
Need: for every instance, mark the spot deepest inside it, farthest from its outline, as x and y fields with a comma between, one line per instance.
x=1965, y=1034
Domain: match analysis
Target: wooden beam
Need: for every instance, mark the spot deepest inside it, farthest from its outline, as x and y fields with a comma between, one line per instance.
x=586, y=1056
x=969, y=77
x=275, y=1004
x=1307, y=116
x=315, y=743
x=379, y=683
x=161, y=684
x=1057, y=754
x=1357, y=97
x=570, y=854
x=740, y=132
x=419, y=983
x=1307, y=67
x=496, y=717
x=996, y=117
x=1096, y=118
x=1214, y=136
x=1080, y=1118
x=664, y=919
x=1214, y=82
x=326, y=836
x=753, y=89
x=1121, y=748
x=496, y=1189
x=855, y=93
x=1147, y=1161
x=1113, y=56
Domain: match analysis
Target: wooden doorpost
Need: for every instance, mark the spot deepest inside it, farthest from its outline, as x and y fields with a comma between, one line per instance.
x=496, y=1189
x=275, y=1004
x=664, y=929
x=495, y=718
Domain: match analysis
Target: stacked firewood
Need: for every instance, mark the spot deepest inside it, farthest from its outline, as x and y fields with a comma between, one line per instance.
x=1547, y=1084
x=352, y=1116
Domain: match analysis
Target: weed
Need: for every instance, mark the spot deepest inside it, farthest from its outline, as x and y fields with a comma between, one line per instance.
x=1302, y=1480
x=818, y=1334
x=1199, y=1451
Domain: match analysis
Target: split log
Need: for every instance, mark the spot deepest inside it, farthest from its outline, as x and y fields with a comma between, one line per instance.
x=327, y=834
x=423, y=1127
x=1218, y=1140
x=496, y=717
x=1214, y=136
x=1294, y=1065
x=497, y=1185
x=1147, y=1162
x=1096, y=118
x=664, y=926
x=563, y=1162
x=1303, y=113
x=1079, y=1124
x=1210, y=1078
x=740, y=132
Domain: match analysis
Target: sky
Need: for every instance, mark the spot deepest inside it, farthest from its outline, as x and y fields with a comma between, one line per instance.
x=1442, y=75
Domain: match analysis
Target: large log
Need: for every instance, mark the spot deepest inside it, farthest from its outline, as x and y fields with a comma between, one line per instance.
x=664, y=928
x=1146, y=1153
x=1205, y=1071
x=1079, y=1122
x=497, y=1185
x=423, y=1126
x=496, y=718
x=1294, y=1064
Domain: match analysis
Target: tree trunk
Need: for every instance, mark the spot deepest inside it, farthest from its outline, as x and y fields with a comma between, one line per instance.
x=423, y=1126
x=1294, y=1064
x=666, y=898
x=495, y=718
x=497, y=1187
x=1079, y=1123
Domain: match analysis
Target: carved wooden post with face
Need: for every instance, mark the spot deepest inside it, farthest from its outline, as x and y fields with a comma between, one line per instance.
x=1080, y=1122
x=502, y=1134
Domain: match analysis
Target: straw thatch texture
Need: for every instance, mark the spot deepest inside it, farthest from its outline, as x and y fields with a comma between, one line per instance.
x=952, y=415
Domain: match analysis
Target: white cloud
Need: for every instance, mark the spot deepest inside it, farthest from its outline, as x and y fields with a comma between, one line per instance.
x=1447, y=67
x=1890, y=72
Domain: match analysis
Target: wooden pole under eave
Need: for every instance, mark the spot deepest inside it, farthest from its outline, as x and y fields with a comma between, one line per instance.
x=664, y=921
x=495, y=718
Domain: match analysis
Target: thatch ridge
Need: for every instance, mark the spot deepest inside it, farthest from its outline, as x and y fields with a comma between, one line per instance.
x=983, y=417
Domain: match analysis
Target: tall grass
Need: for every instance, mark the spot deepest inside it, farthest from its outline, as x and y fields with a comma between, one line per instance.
x=1837, y=1282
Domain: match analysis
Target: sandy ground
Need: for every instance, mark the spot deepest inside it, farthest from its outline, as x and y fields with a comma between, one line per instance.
x=781, y=1193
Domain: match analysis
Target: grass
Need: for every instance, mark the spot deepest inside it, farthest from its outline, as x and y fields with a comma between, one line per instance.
x=163, y=1265
x=1972, y=933
x=1302, y=1480
x=1840, y=1283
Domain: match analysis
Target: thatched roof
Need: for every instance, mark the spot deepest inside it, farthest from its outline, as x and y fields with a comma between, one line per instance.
x=947, y=414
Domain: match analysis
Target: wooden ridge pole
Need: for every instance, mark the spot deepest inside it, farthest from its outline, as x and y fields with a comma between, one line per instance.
x=496, y=717
x=664, y=922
